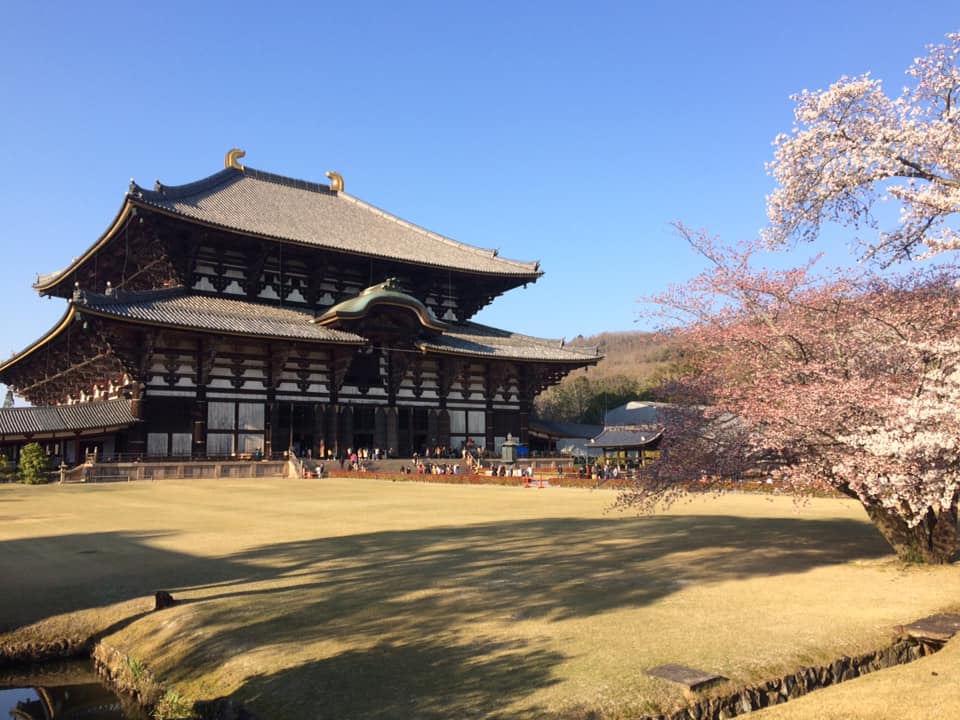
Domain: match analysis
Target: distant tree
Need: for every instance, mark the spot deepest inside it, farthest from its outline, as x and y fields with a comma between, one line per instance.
x=611, y=392
x=4, y=468
x=8, y=399
x=33, y=464
x=585, y=400
x=847, y=381
x=852, y=144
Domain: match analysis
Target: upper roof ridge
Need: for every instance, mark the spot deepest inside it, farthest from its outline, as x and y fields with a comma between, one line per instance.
x=289, y=181
x=223, y=177
x=175, y=192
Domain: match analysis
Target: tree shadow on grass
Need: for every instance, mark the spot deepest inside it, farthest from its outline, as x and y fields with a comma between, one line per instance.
x=405, y=607
x=404, y=589
x=47, y=576
x=558, y=568
x=425, y=679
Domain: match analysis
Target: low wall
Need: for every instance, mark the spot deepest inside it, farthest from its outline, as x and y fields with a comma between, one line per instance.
x=195, y=470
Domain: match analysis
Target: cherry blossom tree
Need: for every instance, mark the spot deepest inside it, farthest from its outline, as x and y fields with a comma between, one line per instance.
x=840, y=380
x=853, y=145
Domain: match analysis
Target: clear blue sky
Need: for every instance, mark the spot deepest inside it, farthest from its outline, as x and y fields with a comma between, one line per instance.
x=568, y=132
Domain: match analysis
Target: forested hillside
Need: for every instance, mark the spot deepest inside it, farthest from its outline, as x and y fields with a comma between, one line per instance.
x=633, y=363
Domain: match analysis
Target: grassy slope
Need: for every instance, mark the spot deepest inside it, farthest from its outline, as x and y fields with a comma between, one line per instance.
x=365, y=599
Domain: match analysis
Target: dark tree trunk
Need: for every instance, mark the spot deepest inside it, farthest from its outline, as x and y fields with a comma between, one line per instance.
x=934, y=540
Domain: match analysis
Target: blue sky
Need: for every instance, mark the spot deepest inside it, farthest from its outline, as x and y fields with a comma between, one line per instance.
x=572, y=133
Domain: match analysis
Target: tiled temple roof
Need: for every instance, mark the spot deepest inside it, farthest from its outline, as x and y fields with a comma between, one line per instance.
x=475, y=340
x=180, y=308
x=32, y=421
x=626, y=437
x=263, y=204
x=557, y=429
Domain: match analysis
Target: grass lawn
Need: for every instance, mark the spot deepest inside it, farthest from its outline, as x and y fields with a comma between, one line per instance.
x=369, y=599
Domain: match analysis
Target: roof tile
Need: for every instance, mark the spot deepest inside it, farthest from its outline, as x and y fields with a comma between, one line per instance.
x=261, y=203
x=477, y=340
x=181, y=308
x=65, y=418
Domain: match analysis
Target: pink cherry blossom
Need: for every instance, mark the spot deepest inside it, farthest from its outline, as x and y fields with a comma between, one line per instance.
x=853, y=144
x=840, y=379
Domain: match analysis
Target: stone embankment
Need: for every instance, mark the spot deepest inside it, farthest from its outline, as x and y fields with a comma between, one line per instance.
x=805, y=680
x=36, y=651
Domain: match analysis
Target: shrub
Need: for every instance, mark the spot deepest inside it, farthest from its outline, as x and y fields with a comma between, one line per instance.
x=33, y=464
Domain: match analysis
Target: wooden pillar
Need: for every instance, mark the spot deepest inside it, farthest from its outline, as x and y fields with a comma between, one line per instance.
x=136, y=401
x=319, y=425
x=271, y=443
x=407, y=439
x=138, y=434
x=206, y=354
x=332, y=430
x=524, y=422
x=443, y=427
x=346, y=433
x=198, y=446
x=490, y=384
x=380, y=428
x=432, y=429
x=392, y=436
x=528, y=383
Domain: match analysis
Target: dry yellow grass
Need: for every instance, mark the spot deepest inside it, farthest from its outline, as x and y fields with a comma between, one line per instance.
x=368, y=599
x=922, y=690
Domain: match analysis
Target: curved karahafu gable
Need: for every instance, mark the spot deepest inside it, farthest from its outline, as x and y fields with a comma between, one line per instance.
x=384, y=294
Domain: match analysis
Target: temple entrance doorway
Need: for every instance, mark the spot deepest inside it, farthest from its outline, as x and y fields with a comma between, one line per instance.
x=364, y=427
x=296, y=429
x=412, y=430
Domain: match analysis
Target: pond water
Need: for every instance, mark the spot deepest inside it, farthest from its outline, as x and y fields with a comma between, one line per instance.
x=60, y=691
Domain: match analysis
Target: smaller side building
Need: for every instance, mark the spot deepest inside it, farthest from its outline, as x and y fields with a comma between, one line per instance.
x=561, y=438
x=67, y=433
x=631, y=434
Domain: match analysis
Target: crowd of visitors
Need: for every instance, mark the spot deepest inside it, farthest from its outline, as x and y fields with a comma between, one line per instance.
x=469, y=460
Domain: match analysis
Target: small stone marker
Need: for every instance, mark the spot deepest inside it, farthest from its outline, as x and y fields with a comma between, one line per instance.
x=940, y=627
x=692, y=678
x=162, y=600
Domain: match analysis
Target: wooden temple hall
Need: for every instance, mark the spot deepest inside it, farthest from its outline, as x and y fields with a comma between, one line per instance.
x=247, y=313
